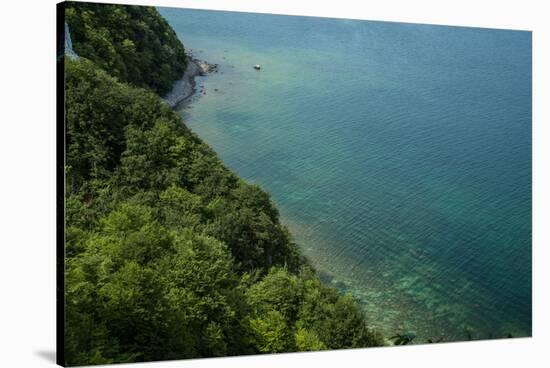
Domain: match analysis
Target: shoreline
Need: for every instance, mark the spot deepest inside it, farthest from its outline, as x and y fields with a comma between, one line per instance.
x=185, y=87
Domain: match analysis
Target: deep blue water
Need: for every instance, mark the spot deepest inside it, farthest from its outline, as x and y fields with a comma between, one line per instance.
x=398, y=154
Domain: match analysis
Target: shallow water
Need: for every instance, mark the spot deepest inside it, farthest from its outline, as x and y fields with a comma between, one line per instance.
x=398, y=154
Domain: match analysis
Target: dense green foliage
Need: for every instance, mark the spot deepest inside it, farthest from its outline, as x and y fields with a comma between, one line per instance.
x=132, y=43
x=169, y=255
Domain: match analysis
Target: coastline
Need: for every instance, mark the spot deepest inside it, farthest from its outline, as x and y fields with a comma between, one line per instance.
x=165, y=178
x=185, y=87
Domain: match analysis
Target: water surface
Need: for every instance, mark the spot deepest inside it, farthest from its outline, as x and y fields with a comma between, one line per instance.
x=398, y=154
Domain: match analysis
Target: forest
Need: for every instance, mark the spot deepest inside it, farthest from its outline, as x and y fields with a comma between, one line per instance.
x=133, y=43
x=170, y=255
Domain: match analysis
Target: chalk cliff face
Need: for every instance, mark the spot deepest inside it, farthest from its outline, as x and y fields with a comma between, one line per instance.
x=68, y=47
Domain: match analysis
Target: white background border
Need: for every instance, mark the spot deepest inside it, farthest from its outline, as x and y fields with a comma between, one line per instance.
x=27, y=181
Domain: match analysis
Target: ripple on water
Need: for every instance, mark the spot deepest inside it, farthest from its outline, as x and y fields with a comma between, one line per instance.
x=398, y=154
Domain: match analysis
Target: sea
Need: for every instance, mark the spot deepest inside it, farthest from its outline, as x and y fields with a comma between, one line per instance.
x=399, y=156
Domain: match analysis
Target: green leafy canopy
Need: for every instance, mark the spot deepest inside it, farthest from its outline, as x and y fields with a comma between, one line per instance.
x=169, y=254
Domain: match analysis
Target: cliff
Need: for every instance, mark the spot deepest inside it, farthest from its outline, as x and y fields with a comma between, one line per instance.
x=170, y=255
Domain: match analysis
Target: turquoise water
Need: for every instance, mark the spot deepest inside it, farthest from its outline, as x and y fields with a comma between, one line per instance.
x=398, y=154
